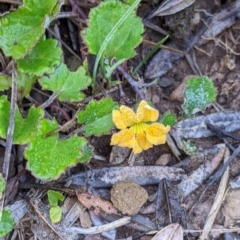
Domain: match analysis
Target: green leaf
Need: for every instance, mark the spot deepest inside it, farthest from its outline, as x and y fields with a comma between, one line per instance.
x=87, y=153
x=168, y=119
x=5, y=82
x=198, y=94
x=42, y=59
x=55, y=214
x=6, y=222
x=124, y=39
x=2, y=184
x=97, y=117
x=189, y=147
x=24, y=84
x=20, y=30
x=49, y=157
x=130, y=2
x=66, y=84
x=54, y=197
x=24, y=128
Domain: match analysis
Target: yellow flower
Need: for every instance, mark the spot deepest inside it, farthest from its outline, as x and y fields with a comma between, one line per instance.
x=136, y=132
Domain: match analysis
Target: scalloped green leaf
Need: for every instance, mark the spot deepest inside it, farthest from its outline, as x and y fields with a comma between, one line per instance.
x=5, y=82
x=55, y=214
x=24, y=84
x=168, y=119
x=6, y=222
x=67, y=84
x=97, y=117
x=189, y=147
x=102, y=20
x=23, y=128
x=49, y=157
x=87, y=153
x=198, y=94
x=54, y=197
x=43, y=58
x=20, y=30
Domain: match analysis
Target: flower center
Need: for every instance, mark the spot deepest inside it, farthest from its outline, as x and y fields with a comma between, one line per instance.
x=139, y=128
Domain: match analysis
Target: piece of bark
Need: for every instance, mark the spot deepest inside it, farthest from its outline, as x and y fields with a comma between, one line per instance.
x=197, y=128
x=198, y=176
x=142, y=175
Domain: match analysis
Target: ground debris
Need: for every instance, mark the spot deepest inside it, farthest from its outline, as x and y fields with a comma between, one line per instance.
x=197, y=127
x=198, y=176
x=163, y=61
x=96, y=204
x=142, y=175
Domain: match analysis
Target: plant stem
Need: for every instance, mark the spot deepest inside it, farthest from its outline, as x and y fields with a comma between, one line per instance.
x=149, y=55
x=49, y=101
x=135, y=85
x=75, y=7
x=66, y=15
x=64, y=44
x=10, y=131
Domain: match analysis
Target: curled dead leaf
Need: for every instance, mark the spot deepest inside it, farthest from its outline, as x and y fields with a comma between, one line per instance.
x=96, y=204
x=169, y=7
x=171, y=232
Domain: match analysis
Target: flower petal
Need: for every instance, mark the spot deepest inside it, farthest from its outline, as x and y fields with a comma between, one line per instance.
x=143, y=142
x=136, y=148
x=146, y=113
x=124, y=117
x=124, y=138
x=156, y=133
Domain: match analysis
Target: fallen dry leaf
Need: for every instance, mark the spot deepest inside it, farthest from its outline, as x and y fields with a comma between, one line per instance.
x=171, y=232
x=96, y=204
x=170, y=7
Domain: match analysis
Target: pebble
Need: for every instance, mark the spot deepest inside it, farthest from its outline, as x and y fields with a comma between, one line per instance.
x=177, y=94
x=163, y=160
x=128, y=197
x=165, y=82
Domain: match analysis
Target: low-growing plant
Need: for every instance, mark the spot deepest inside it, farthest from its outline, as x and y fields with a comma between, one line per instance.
x=55, y=211
x=37, y=59
x=112, y=34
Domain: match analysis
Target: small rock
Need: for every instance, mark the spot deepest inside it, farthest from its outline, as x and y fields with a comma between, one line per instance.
x=119, y=155
x=155, y=99
x=177, y=94
x=128, y=197
x=165, y=82
x=163, y=160
x=196, y=19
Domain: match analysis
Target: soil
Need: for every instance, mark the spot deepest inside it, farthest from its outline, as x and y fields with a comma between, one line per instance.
x=217, y=62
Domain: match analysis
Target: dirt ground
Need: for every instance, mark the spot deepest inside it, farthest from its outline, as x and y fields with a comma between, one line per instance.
x=218, y=59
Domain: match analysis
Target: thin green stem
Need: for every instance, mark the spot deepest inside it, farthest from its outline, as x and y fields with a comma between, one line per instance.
x=149, y=55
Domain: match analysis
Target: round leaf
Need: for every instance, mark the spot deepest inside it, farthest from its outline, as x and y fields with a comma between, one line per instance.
x=6, y=222
x=54, y=197
x=198, y=94
x=55, y=214
x=102, y=19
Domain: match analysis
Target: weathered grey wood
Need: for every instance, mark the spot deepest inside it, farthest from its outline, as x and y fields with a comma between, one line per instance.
x=142, y=175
